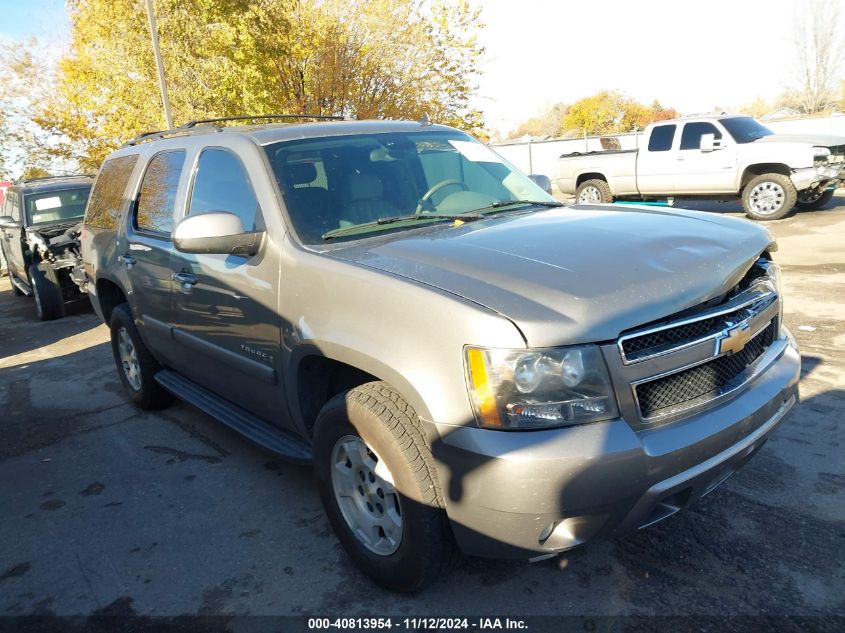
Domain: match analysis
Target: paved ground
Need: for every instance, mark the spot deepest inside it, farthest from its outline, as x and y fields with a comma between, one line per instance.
x=107, y=509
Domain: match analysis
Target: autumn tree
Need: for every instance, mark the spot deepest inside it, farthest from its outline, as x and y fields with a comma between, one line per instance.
x=609, y=112
x=357, y=58
x=549, y=122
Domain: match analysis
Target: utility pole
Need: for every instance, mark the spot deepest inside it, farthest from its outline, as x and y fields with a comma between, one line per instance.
x=168, y=118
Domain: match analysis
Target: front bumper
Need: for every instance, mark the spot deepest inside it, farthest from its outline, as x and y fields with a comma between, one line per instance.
x=811, y=177
x=533, y=494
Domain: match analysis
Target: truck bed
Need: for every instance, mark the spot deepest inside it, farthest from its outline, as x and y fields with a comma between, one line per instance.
x=603, y=152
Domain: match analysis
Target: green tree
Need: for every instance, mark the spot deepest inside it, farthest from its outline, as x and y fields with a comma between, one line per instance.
x=549, y=122
x=376, y=58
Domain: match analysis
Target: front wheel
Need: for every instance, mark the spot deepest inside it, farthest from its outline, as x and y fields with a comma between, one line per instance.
x=810, y=201
x=769, y=197
x=377, y=483
x=593, y=191
x=47, y=291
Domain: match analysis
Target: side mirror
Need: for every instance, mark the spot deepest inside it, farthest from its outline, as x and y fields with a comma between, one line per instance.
x=218, y=232
x=542, y=181
x=8, y=222
x=709, y=142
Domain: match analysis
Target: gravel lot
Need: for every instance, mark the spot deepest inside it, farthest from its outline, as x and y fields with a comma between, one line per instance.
x=107, y=509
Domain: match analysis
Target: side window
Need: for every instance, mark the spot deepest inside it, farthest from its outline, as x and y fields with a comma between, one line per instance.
x=661, y=138
x=157, y=198
x=691, y=136
x=106, y=202
x=221, y=184
x=12, y=206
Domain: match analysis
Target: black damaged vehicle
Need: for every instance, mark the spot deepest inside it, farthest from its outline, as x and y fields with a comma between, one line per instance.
x=39, y=235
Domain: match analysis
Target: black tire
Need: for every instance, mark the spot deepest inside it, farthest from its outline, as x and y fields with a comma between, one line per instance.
x=808, y=204
x=769, y=197
x=594, y=186
x=47, y=291
x=146, y=393
x=378, y=415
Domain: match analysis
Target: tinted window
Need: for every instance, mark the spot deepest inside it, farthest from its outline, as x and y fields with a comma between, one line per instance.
x=157, y=198
x=691, y=136
x=221, y=184
x=744, y=129
x=106, y=202
x=661, y=138
x=56, y=206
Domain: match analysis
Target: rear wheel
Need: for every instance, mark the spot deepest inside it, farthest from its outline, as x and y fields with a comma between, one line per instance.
x=769, y=197
x=135, y=364
x=377, y=483
x=47, y=290
x=812, y=200
x=593, y=191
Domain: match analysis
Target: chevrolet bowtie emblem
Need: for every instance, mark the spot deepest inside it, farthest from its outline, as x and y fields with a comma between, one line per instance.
x=733, y=339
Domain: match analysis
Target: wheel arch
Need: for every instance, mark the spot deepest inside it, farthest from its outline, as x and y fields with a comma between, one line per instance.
x=590, y=175
x=317, y=373
x=758, y=169
x=109, y=296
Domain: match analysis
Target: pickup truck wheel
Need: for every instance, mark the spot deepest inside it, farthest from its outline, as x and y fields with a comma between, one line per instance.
x=593, y=192
x=769, y=197
x=811, y=202
x=377, y=483
x=135, y=364
x=47, y=291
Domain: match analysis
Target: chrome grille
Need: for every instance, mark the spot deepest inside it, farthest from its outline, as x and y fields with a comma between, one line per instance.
x=655, y=342
x=706, y=380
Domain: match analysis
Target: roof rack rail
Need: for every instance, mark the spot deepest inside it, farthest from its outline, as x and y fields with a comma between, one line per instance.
x=29, y=180
x=318, y=117
x=190, y=126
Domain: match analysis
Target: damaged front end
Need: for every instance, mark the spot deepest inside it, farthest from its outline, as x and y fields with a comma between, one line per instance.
x=59, y=248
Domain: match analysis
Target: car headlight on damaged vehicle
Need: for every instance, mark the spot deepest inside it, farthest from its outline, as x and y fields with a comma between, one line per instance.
x=539, y=388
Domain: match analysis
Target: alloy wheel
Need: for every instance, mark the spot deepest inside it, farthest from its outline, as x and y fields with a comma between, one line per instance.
x=365, y=492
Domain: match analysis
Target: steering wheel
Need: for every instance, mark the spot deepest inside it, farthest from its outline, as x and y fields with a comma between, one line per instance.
x=425, y=201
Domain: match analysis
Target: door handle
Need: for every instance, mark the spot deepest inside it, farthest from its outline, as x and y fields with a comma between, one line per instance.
x=127, y=260
x=185, y=279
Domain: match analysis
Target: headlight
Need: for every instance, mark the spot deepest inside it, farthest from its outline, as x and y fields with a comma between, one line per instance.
x=541, y=388
x=774, y=277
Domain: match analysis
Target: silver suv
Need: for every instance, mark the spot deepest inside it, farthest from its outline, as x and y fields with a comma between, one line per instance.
x=468, y=366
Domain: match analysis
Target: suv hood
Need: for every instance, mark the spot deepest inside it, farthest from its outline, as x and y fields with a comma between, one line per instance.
x=578, y=274
x=820, y=140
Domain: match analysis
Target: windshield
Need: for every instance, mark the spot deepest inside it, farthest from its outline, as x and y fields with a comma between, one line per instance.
x=744, y=129
x=57, y=206
x=344, y=182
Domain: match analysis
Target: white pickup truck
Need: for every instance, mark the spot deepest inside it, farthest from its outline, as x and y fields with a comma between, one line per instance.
x=714, y=157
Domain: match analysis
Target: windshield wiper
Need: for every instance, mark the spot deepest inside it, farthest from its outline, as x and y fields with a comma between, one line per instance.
x=349, y=230
x=508, y=203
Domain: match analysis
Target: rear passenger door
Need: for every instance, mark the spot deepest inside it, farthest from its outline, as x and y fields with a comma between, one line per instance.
x=13, y=239
x=146, y=253
x=657, y=162
x=225, y=314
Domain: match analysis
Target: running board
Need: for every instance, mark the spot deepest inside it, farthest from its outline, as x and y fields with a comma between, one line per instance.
x=20, y=285
x=280, y=443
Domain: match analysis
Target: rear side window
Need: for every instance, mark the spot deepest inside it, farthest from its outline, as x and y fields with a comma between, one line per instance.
x=106, y=202
x=157, y=198
x=221, y=184
x=661, y=138
x=691, y=136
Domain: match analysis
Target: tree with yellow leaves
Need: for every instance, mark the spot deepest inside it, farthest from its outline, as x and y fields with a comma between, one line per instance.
x=357, y=58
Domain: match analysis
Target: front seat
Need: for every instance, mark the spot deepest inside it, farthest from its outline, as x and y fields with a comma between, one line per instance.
x=313, y=209
x=365, y=200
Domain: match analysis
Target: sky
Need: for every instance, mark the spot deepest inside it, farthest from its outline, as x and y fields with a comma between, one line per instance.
x=692, y=55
